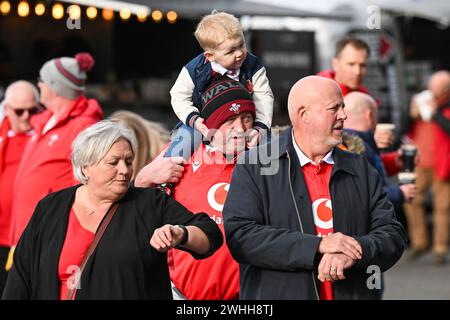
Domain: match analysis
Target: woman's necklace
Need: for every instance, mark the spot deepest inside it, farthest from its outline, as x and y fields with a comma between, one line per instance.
x=91, y=212
x=90, y=209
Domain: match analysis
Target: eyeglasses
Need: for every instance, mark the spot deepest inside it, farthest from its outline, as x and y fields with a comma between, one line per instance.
x=31, y=111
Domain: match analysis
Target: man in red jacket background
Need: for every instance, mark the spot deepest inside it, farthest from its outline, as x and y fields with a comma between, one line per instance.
x=21, y=102
x=349, y=65
x=46, y=165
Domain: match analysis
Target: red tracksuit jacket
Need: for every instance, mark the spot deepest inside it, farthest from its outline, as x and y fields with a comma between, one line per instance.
x=46, y=163
x=11, y=150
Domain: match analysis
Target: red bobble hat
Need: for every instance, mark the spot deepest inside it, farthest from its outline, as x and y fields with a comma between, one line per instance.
x=67, y=76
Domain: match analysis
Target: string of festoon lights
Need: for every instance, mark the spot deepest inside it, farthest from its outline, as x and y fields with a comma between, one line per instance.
x=58, y=11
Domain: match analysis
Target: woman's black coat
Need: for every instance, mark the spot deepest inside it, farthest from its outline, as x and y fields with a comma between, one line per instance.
x=123, y=266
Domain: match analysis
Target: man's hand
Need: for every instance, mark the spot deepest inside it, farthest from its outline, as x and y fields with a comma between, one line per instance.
x=201, y=127
x=332, y=266
x=160, y=170
x=166, y=237
x=409, y=191
x=383, y=138
x=252, y=137
x=340, y=243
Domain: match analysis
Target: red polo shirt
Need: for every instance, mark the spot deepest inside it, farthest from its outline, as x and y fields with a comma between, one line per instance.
x=204, y=188
x=317, y=179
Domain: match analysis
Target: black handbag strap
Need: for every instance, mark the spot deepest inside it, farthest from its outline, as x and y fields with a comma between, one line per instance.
x=98, y=235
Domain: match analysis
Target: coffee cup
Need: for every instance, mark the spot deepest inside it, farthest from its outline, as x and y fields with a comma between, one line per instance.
x=385, y=128
x=406, y=178
x=409, y=153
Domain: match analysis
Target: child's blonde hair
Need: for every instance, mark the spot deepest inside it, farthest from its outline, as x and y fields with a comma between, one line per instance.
x=217, y=27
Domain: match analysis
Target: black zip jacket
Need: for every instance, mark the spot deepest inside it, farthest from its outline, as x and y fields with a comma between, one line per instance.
x=270, y=230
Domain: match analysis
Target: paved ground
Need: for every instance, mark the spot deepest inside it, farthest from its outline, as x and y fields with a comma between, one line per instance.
x=419, y=279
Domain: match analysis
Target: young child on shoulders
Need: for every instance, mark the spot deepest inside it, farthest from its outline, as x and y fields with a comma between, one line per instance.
x=222, y=39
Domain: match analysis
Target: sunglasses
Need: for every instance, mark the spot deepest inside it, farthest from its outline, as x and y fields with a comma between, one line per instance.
x=31, y=111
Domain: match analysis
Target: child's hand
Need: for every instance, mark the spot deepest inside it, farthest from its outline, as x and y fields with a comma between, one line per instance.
x=252, y=137
x=201, y=127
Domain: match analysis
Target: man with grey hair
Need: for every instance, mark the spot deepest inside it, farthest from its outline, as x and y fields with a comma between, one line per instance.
x=46, y=165
x=21, y=102
x=321, y=225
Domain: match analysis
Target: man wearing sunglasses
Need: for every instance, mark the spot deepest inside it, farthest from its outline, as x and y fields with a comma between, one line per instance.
x=20, y=104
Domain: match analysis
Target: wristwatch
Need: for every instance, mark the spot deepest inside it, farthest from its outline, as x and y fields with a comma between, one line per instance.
x=185, y=235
